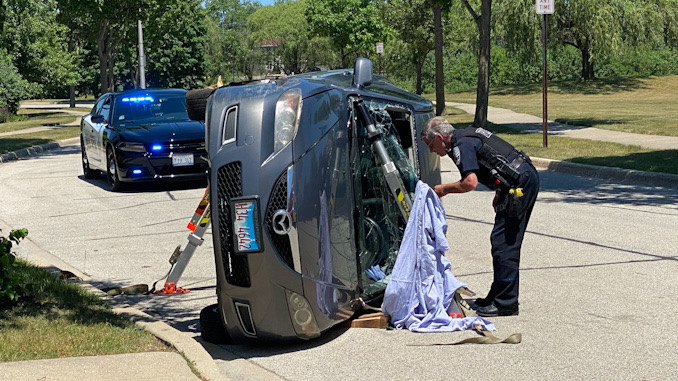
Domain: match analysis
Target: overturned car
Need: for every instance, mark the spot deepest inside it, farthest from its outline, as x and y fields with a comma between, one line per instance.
x=310, y=177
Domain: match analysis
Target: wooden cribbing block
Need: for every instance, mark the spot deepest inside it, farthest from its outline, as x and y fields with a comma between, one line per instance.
x=374, y=320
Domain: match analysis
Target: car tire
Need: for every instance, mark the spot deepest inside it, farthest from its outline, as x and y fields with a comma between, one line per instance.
x=86, y=170
x=211, y=328
x=114, y=183
x=196, y=103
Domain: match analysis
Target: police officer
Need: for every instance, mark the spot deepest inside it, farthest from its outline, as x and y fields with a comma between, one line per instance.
x=485, y=158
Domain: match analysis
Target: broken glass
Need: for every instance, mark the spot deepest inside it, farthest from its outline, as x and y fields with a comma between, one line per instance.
x=383, y=224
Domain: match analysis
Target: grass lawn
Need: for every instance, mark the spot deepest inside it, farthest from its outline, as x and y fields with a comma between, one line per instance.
x=638, y=105
x=578, y=150
x=15, y=142
x=29, y=118
x=59, y=319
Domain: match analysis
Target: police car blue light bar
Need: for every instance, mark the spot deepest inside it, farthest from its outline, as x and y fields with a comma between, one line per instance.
x=156, y=147
x=136, y=171
x=137, y=99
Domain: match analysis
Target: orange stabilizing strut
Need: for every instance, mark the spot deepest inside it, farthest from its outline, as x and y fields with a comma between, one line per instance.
x=180, y=258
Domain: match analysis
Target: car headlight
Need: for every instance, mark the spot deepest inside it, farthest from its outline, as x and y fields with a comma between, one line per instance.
x=132, y=147
x=287, y=111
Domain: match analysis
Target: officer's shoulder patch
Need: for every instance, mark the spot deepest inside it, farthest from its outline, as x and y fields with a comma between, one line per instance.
x=457, y=155
x=484, y=132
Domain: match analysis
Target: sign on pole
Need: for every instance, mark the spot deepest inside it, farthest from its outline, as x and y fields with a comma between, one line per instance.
x=380, y=47
x=544, y=7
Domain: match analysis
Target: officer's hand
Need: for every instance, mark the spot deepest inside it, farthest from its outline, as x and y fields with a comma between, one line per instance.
x=440, y=191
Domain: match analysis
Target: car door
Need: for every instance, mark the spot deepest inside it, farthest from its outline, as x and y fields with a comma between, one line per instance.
x=98, y=132
x=88, y=132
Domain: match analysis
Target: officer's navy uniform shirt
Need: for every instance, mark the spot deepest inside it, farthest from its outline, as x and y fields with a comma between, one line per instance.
x=464, y=153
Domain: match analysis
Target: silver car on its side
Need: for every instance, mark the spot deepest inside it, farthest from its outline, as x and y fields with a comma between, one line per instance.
x=306, y=227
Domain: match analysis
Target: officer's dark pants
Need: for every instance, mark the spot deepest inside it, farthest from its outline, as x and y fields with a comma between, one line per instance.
x=507, y=238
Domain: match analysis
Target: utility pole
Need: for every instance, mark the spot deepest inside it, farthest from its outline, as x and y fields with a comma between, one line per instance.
x=142, y=57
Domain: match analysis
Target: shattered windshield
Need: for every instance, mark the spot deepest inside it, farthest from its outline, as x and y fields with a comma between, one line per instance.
x=383, y=223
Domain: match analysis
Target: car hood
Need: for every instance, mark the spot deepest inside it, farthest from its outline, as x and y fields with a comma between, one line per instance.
x=163, y=132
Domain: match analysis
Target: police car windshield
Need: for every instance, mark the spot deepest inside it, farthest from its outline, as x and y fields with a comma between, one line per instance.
x=150, y=108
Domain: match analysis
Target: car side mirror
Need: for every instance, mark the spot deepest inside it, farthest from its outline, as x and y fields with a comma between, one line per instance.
x=98, y=119
x=362, y=72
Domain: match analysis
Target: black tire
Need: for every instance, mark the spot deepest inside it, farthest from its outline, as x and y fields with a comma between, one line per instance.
x=196, y=103
x=114, y=183
x=211, y=328
x=86, y=170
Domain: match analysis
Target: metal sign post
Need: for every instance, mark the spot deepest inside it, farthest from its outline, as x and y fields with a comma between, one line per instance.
x=544, y=8
x=380, y=51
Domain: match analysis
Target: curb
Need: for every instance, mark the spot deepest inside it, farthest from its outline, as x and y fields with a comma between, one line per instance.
x=186, y=345
x=35, y=150
x=611, y=173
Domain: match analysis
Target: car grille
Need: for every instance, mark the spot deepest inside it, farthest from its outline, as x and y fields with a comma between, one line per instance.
x=278, y=201
x=229, y=185
x=196, y=146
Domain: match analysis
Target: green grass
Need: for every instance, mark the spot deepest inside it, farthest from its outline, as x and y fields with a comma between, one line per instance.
x=36, y=118
x=578, y=150
x=15, y=142
x=638, y=105
x=59, y=319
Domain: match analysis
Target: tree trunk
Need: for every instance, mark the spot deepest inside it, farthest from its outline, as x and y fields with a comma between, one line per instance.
x=586, y=64
x=483, y=90
x=103, y=42
x=438, y=43
x=420, y=64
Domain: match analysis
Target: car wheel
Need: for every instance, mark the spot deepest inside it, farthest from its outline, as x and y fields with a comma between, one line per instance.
x=86, y=170
x=114, y=183
x=211, y=328
x=196, y=102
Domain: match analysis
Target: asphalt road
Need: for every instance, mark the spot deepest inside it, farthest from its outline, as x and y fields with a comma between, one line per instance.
x=598, y=291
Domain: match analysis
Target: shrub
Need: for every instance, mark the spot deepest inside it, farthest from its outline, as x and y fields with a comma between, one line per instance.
x=13, y=88
x=10, y=288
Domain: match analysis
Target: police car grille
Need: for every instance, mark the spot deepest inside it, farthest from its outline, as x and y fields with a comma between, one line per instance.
x=277, y=201
x=229, y=185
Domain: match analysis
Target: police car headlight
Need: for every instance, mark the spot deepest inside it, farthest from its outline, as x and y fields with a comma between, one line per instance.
x=132, y=147
x=287, y=111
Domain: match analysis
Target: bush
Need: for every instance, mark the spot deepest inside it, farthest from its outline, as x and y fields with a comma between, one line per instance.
x=10, y=288
x=13, y=88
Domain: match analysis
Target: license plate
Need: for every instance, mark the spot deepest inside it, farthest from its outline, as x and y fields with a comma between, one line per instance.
x=246, y=235
x=182, y=159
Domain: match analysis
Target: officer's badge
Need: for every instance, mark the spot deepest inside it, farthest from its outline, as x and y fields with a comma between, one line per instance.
x=457, y=155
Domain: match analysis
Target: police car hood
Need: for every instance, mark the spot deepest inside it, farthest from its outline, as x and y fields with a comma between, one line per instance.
x=169, y=131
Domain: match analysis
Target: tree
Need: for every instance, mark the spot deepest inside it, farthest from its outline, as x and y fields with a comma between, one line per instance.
x=283, y=27
x=226, y=51
x=174, y=43
x=483, y=89
x=591, y=26
x=412, y=21
x=353, y=25
x=37, y=44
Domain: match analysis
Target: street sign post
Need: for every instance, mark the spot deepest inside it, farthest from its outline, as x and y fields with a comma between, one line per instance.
x=544, y=8
x=380, y=51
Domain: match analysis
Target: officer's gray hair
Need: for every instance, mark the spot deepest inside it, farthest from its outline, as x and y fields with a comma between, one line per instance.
x=437, y=125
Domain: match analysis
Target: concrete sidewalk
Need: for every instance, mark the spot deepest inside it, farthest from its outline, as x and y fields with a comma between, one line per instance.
x=531, y=123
